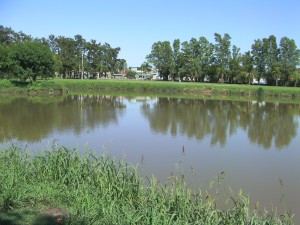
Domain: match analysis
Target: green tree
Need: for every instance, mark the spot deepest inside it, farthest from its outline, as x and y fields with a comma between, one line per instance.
x=296, y=77
x=121, y=65
x=289, y=58
x=222, y=55
x=30, y=60
x=191, y=59
x=259, y=59
x=4, y=61
x=247, y=66
x=234, y=64
x=131, y=75
x=161, y=57
x=177, y=59
x=110, y=57
x=67, y=53
x=146, y=67
x=272, y=60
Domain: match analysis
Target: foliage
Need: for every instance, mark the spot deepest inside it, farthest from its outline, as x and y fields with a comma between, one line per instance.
x=30, y=60
x=289, y=58
x=196, y=60
x=146, y=67
x=4, y=61
x=95, y=189
x=73, y=57
x=131, y=75
x=161, y=58
x=222, y=55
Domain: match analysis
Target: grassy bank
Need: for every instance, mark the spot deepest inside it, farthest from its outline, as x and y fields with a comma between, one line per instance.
x=43, y=87
x=96, y=189
x=149, y=87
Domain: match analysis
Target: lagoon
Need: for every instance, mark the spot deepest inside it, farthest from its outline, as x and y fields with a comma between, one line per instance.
x=254, y=143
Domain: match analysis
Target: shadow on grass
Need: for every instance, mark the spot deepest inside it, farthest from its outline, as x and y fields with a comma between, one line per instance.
x=30, y=217
x=21, y=83
x=16, y=218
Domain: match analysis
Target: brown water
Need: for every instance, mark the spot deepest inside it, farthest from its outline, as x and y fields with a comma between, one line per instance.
x=256, y=144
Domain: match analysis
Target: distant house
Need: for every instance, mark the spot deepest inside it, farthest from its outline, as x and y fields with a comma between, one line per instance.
x=118, y=76
x=260, y=81
x=135, y=69
x=156, y=76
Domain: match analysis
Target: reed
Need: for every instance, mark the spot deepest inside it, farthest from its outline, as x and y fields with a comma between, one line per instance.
x=97, y=189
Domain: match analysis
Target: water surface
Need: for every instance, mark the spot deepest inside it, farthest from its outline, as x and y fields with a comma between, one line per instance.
x=255, y=143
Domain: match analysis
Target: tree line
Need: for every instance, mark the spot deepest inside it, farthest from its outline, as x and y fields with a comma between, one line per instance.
x=200, y=60
x=24, y=57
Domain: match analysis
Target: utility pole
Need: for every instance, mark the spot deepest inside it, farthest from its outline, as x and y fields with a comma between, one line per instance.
x=82, y=65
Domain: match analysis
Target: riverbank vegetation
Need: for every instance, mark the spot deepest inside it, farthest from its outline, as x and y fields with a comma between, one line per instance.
x=97, y=189
x=138, y=87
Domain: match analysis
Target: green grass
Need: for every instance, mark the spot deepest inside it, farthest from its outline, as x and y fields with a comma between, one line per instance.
x=40, y=87
x=59, y=86
x=97, y=189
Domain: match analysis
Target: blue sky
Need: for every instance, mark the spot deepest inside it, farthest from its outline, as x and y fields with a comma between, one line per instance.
x=134, y=25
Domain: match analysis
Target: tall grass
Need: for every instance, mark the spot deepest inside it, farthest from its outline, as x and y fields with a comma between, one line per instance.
x=97, y=189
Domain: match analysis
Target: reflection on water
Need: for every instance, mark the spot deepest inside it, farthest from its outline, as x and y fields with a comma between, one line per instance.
x=32, y=119
x=264, y=122
x=205, y=136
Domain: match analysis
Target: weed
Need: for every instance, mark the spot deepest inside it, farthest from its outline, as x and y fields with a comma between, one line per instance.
x=97, y=189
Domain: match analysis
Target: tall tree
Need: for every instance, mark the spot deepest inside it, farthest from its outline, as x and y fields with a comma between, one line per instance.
x=177, y=59
x=272, y=59
x=67, y=53
x=234, y=64
x=289, y=58
x=110, y=57
x=222, y=55
x=247, y=66
x=161, y=57
x=259, y=59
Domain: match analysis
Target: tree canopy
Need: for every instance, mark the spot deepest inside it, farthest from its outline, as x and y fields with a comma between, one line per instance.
x=24, y=57
x=200, y=60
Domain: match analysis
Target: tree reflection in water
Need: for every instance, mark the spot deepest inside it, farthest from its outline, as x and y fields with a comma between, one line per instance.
x=31, y=119
x=198, y=118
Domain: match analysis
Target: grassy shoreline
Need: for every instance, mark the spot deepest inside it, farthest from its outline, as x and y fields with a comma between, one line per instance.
x=97, y=189
x=61, y=86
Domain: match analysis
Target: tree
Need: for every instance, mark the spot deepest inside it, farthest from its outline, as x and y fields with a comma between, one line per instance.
x=259, y=59
x=161, y=57
x=146, y=67
x=289, y=58
x=222, y=55
x=247, y=65
x=121, y=65
x=4, y=61
x=177, y=59
x=131, y=75
x=191, y=58
x=234, y=64
x=296, y=77
x=67, y=53
x=271, y=59
x=30, y=60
